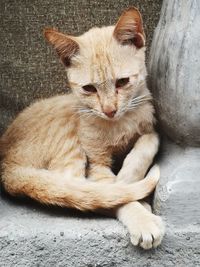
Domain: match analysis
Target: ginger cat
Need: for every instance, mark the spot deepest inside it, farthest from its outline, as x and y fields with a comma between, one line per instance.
x=60, y=150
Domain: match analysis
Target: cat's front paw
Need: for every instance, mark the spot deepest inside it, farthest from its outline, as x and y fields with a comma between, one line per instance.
x=147, y=232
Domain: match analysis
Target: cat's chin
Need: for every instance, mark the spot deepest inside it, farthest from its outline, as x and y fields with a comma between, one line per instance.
x=118, y=116
x=114, y=119
x=105, y=118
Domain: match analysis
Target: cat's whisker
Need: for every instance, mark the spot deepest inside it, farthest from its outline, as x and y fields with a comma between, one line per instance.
x=85, y=115
x=142, y=96
x=84, y=110
x=135, y=102
x=133, y=106
x=138, y=102
x=140, y=99
x=97, y=113
x=88, y=113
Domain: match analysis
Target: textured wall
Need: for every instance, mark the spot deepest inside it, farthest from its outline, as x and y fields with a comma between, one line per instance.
x=29, y=68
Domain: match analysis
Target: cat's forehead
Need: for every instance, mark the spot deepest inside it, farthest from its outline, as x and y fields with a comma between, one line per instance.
x=99, y=45
x=102, y=58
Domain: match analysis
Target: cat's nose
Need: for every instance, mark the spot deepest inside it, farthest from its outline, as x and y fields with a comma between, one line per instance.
x=110, y=113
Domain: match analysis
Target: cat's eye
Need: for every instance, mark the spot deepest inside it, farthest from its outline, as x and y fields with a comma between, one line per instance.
x=121, y=82
x=89, y=88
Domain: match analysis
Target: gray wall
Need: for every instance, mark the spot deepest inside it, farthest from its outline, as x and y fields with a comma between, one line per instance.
x=174, y=69
x=29, y=68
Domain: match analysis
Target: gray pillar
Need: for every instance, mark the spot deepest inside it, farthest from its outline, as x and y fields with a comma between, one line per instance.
x=174, y=69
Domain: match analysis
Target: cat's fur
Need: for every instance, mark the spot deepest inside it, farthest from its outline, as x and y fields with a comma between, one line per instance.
x=53, y=145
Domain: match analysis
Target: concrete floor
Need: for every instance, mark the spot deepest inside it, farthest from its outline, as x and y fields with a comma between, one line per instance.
x=33, y=235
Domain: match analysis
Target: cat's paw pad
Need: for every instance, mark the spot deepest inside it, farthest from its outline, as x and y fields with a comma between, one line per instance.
x=148, y=232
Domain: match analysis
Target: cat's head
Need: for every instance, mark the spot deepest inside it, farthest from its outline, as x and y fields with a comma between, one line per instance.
x=105, y=66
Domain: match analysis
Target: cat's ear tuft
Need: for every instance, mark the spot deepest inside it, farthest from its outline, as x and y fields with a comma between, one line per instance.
x=129, y=28
x=66, y=46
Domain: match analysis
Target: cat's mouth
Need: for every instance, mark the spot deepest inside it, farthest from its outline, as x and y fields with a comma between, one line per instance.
x=113, y=115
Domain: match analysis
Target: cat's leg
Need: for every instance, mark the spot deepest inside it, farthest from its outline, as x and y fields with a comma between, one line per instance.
x=100, y=173
x=99, y=169
x=145, y=228
x=74, y=164
x=135, y=164
x=139, y=159
x=71, y=164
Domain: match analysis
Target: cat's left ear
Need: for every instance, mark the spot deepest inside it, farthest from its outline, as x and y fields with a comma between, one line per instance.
x=129, y=28
x=66, y=46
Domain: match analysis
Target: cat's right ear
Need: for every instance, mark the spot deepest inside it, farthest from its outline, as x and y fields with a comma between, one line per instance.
x=129, y=28
x=66, y=46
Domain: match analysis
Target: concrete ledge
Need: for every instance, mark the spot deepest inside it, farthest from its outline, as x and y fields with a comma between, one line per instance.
x=32, y=235
x=178, y=192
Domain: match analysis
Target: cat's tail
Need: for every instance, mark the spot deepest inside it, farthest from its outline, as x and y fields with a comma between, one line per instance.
x=46, y=187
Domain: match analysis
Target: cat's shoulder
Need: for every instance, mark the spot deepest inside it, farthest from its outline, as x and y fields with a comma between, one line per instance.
x=54, y=104
x=45, y=110
x=59, y=100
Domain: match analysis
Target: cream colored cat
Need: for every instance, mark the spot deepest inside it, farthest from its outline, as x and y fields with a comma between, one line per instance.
x=60, y=150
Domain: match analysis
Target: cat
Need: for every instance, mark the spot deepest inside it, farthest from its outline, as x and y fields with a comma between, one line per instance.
x=60, y=150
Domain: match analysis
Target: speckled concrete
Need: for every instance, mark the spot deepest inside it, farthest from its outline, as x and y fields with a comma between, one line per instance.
x=33, y=235
x=178, y=194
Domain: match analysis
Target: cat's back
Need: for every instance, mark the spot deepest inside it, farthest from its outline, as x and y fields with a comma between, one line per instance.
x=40, y=120
x=57, y=105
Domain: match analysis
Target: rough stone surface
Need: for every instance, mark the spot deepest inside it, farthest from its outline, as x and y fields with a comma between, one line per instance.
x=174, y=70
x=33, y=235
x=29, y=68
x=177, y=197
